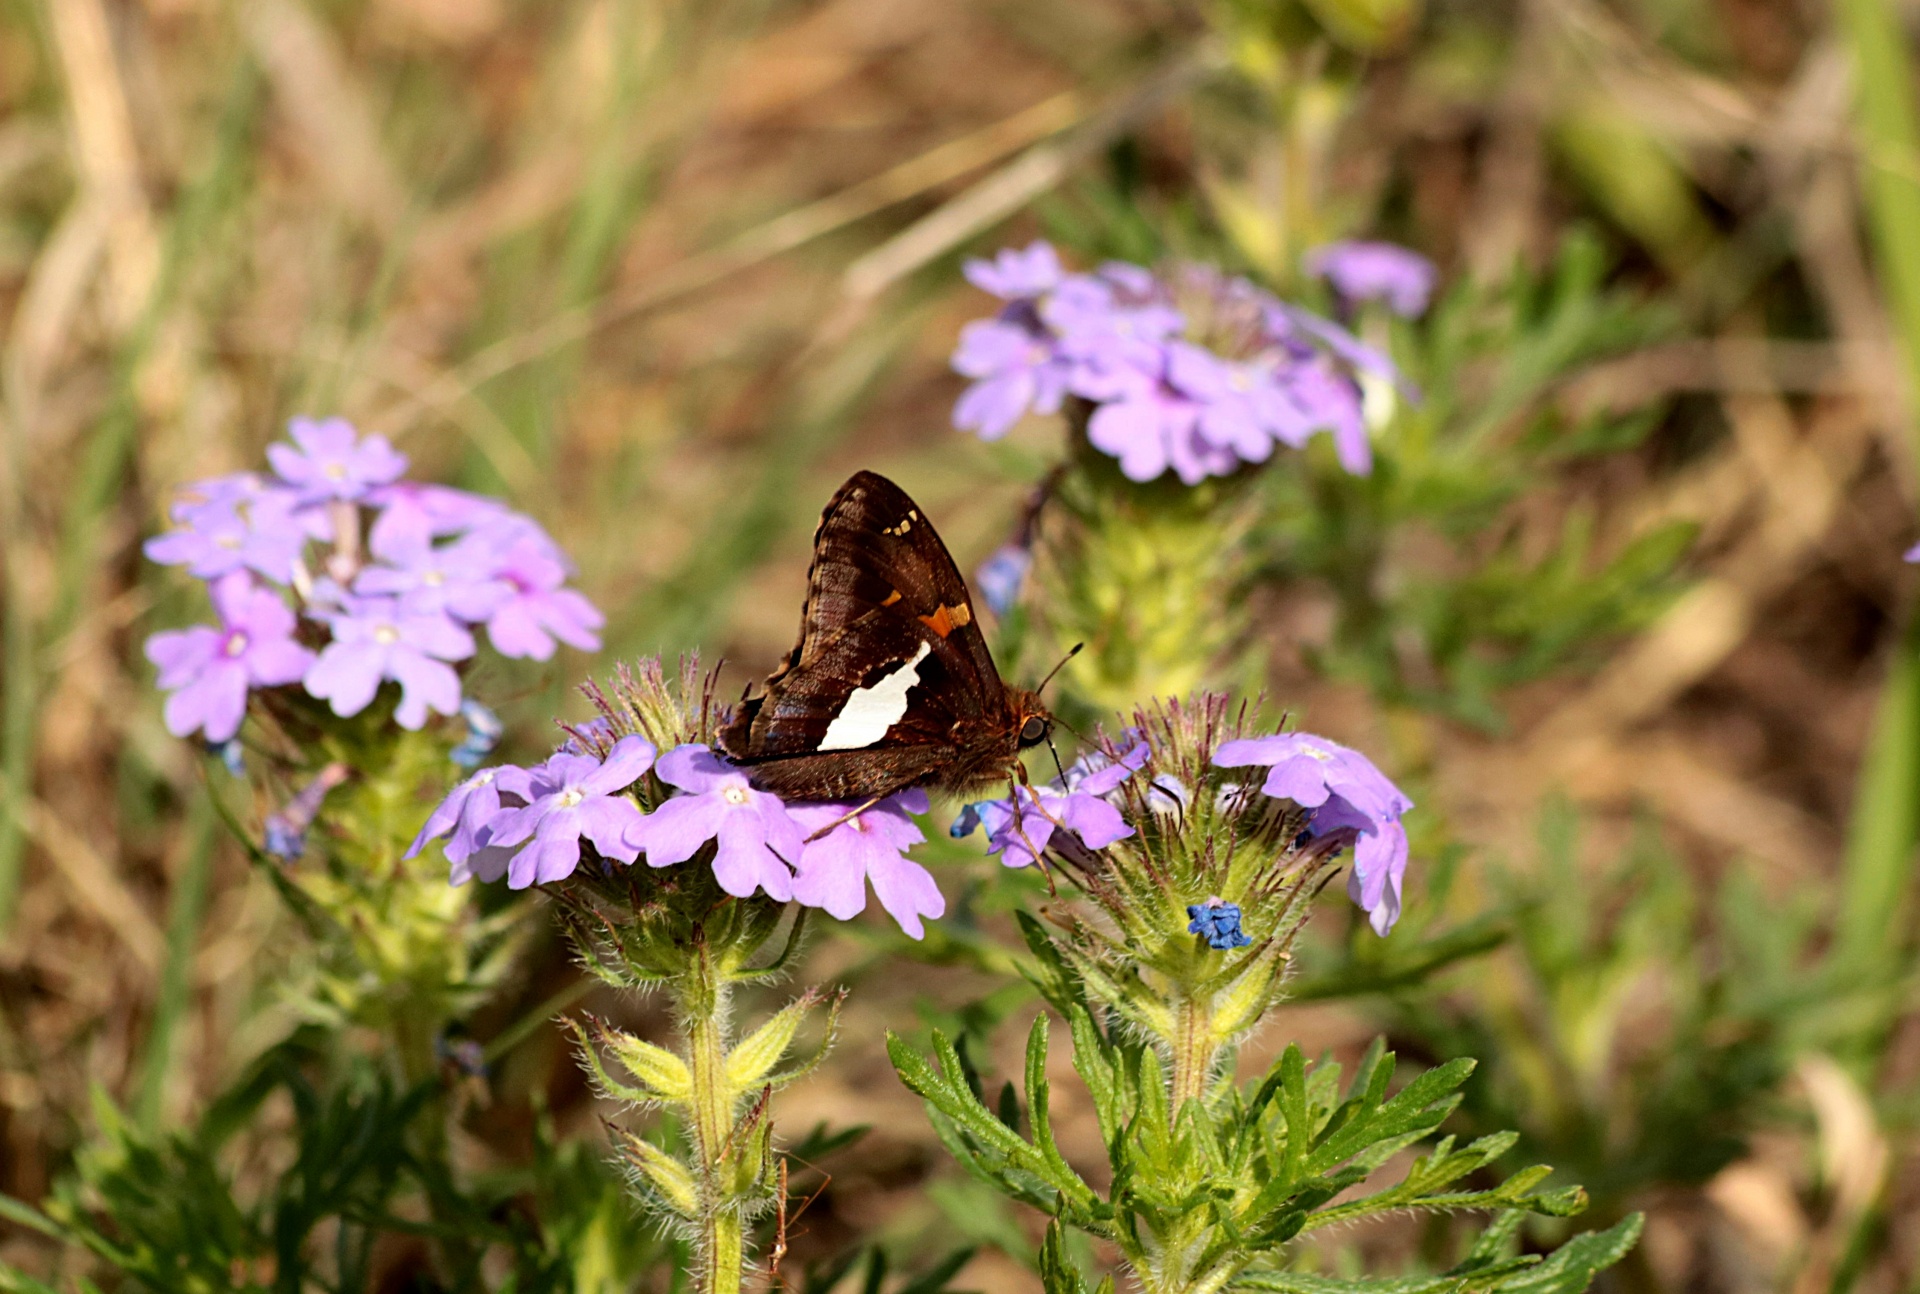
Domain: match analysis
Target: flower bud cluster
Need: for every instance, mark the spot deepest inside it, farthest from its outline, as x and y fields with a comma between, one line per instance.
x=336, y=575
x=1189, y=370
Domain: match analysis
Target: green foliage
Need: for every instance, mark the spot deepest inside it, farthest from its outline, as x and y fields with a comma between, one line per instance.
x=1201, y=1194
x=1444, y=597
x=1636, y=1039
x=1486, y=1269
x=186, y=1212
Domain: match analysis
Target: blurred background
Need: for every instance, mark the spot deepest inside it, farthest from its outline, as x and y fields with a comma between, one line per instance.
x=662, y=274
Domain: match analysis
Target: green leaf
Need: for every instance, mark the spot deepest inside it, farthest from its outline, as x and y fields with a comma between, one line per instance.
x=666, y=1177
x=1057, y=1272
x=662, y=1076
x=752, y=1062
x=986, y=1145
x=935, y=1278
x=1568, y=1270
x=1097, y=1067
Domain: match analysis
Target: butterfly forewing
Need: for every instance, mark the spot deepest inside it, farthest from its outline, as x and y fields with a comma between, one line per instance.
x=891, y=684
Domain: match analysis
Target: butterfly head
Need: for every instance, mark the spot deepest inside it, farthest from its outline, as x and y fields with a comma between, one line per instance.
x=1036, y=725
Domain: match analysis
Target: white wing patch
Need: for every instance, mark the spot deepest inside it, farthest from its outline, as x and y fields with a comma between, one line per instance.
x=871, y=711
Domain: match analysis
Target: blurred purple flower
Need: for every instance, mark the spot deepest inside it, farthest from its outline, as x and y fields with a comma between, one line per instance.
x=1913, y=554
x=537, y=609
x=1360, y=271
x=1014, y=275
x=257, y=530
x=759, y=843
x=835, y=869
x=1015, y=368
x=1002, y=575
x=1151, y=427
x=376, y=639
x=212, y=669
x=232, y=489
x=1241, y=406
x=571, y=796
x=458, y=578
x=445, y=510
x=1330, y=401
x=1339, y=787
x=1196, y=372
x=329, y=460
x=1105, y=335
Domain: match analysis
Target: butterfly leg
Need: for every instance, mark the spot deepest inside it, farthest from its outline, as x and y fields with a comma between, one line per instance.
x=1013, y=790
x=846, y=817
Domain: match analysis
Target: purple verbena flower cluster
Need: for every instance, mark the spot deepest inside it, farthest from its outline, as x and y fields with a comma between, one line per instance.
x=1339, y=788
x=1190, y=370
x=526, y=824
x=390, y=577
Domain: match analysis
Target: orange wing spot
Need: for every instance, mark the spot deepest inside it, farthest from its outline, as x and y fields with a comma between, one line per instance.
x=892, y=598
x=947, y=619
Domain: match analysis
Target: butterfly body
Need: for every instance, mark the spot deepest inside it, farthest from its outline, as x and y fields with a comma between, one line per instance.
x=891, y=684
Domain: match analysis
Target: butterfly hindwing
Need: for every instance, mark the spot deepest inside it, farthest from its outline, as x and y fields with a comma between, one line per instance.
x=891, y=683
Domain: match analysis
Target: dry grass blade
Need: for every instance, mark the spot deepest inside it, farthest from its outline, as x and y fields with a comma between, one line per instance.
x=784, y=233
x=329, y=112
x=105, y=155
x=1008, y=190
x=97, y=886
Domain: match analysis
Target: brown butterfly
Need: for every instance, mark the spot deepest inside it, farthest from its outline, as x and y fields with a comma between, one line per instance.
x=891, y=684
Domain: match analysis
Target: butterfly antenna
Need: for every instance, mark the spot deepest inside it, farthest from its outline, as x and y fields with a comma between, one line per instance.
x=1056, y=757
x=1074, y=651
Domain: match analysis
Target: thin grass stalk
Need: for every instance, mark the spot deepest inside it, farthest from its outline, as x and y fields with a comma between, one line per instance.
x=98, y=478
x=1878, y=865
x=185, y=913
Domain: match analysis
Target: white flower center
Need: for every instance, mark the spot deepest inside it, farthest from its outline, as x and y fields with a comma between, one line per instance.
x=236, y=643
x=386, y=635
x=338, y=471
x=1324, y=756
x=483, y=777
x=226, y=541
x=734, y=794
x=433, y=579
x=571, y=796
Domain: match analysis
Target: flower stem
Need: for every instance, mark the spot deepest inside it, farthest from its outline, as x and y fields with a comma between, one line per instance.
x=703, y=998
x=1194, y=1051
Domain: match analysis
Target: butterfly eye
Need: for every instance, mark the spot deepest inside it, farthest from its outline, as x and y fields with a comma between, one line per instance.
x=1033, y=731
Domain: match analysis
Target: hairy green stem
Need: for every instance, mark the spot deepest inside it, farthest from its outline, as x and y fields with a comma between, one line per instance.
x=702, y=995
x=1194, y=1051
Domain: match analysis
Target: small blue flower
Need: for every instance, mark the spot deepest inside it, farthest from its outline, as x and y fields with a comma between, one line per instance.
x=286, y=831
x=969, y=820
x=284, y=840
x=483, y=734
x=1001, y=576
x=231, y=755
x=1218, y=922
x=463, y=1054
